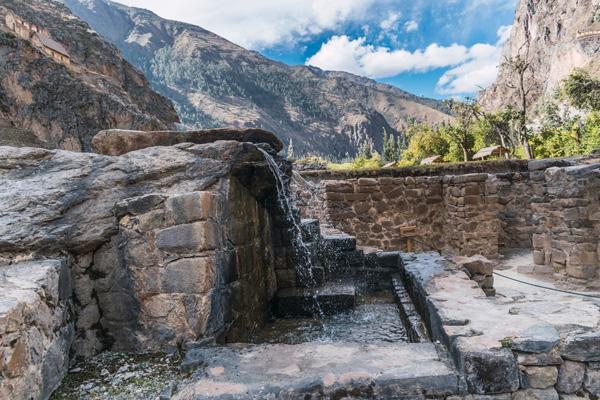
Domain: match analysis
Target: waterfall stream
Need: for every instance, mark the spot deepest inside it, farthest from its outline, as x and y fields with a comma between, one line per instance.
x=304, y=266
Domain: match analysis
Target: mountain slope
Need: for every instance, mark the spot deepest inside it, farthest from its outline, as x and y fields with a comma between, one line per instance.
x=547, y=33
x=216, y=83
x=48, y=104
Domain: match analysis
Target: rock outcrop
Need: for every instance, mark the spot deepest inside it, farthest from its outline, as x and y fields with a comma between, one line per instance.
x=44, y=103
x=165, y=246
x=116, y=142
x=215, y=83
x=555, y=37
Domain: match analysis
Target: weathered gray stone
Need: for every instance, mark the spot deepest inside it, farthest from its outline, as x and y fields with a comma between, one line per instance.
x=493, y=371
x=190, y=276
x=475, y=265
x=582, y=347
x=570, y=377
x=592, y=382
x=36, y=330
x=188, y=238
x=537, y=339
x=540, y=359
x=192, y=207
x=536, y=394
x=539, y=377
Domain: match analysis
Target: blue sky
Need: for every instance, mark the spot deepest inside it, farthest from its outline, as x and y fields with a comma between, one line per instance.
x=434, y=48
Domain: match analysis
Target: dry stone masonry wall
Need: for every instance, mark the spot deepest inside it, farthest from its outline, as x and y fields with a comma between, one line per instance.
x=551, y=206
x=567, y=229
x=460, y=214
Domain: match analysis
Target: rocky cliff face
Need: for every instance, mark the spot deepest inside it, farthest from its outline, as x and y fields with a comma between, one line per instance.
x=555, y=36
x=216, y=83
x=47, y=104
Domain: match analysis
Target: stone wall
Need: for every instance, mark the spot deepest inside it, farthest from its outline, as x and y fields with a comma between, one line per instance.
x=551, y=206
x=181, y=268
x=567, y=224
x=466, y=214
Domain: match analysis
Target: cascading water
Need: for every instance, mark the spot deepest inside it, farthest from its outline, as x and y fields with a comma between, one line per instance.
x=304, y=265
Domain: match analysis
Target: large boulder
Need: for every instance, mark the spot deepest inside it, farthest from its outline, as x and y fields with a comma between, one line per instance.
x=115, y=142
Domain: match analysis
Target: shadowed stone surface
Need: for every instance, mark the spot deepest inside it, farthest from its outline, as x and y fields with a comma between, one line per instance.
x=336, y=371
x=115, y=142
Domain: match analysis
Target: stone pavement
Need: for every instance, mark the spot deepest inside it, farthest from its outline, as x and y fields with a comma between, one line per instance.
x=333, y=370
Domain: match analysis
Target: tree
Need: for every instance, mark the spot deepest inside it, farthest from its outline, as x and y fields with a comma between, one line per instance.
x=460, y=134
x=425, y=142
x=521, y=68
x=582, y=91
x=390, y=150
x=366, y=149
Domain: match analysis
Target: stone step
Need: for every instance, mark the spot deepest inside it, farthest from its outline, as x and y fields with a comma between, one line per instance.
x=319, y=370
x=332, y=243
x=331, y=298
x=342, y=260
x=311, y=230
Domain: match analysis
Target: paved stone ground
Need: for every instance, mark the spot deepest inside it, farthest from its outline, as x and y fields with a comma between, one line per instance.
x=334, y=370
x=563, y=310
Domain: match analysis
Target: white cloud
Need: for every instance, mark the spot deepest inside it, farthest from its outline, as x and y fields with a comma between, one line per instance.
x=261, y=23
x=471, y=68
x=411, y=26
x=478, y=71
x=356, y=56
x=391, y=21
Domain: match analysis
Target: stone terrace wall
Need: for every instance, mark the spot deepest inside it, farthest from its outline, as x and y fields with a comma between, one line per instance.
x=567, y=209
x=552, y=206
x=467, y=210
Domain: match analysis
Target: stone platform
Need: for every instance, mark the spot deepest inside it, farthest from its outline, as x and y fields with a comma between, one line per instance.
x=336, y=371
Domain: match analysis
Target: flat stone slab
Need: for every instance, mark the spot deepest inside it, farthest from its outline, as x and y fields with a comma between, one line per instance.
x=338, y=370
x=328, y=299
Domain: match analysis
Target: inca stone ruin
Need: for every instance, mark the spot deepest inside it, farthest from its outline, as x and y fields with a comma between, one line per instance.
x=270, y=284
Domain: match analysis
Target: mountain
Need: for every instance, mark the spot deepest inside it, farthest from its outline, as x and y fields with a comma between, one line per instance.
x=60, y=86
x=555, y=37
x=215, y=83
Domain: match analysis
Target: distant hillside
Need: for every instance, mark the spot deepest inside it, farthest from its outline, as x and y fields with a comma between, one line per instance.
x=45, y=103
x=555, y=38
x=215, y=83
